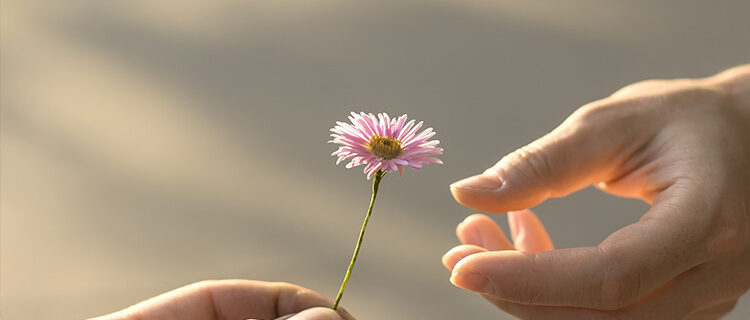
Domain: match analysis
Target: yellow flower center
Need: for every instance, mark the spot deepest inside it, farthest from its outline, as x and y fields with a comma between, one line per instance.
x=384, y=147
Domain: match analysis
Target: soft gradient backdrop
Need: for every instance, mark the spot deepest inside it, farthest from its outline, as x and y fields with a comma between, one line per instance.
x=150, y=144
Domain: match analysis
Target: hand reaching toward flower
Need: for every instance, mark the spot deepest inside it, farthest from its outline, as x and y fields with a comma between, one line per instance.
x=234, y=299
x=683, y=146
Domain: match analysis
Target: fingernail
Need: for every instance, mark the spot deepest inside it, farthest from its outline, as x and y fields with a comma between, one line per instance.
x=318, y=313
x=481, y=182
x=472, y=281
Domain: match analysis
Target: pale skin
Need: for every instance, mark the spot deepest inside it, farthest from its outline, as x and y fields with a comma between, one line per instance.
x=682, y=146
x=234, y=299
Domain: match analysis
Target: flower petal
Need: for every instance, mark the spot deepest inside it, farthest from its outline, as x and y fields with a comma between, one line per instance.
x=354, y=138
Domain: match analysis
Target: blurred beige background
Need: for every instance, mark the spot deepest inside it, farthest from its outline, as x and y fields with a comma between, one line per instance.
x=147, y=145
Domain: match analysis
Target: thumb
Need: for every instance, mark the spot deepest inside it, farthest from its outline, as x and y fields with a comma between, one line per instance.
x=584, y=149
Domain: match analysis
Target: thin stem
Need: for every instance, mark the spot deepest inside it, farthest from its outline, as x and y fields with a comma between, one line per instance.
x=375, y=184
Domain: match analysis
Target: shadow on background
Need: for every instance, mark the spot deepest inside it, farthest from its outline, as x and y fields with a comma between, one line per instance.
x=147, y=146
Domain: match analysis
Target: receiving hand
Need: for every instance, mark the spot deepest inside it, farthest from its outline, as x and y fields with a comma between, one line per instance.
x=683, y=146
x=234, y=299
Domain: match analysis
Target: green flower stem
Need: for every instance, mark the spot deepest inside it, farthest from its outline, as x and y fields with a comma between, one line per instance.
x=375, y=184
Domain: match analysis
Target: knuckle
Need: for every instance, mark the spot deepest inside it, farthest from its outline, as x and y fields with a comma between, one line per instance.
x=533, y=161
x=284, y=284
x=594, y=113
x=604, y=118
x=610, y=116
x=206, y=284
x=639, y=86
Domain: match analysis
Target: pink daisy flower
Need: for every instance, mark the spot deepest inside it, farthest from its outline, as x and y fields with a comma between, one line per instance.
x=384, y=143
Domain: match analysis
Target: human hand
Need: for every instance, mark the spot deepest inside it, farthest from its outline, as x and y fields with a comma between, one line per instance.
x=682, y=146
x=234, y=299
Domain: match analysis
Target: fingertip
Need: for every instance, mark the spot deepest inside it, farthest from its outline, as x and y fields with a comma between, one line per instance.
x=466, y=276
x=528, y=232
x=477, y=192
x=473, y=281
x=481, y=230
x=446, y=259
x=456, y=254
x=489, y=261
x=481, y=272
x=477, y=217
x=467, y=232
x=488, y=193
